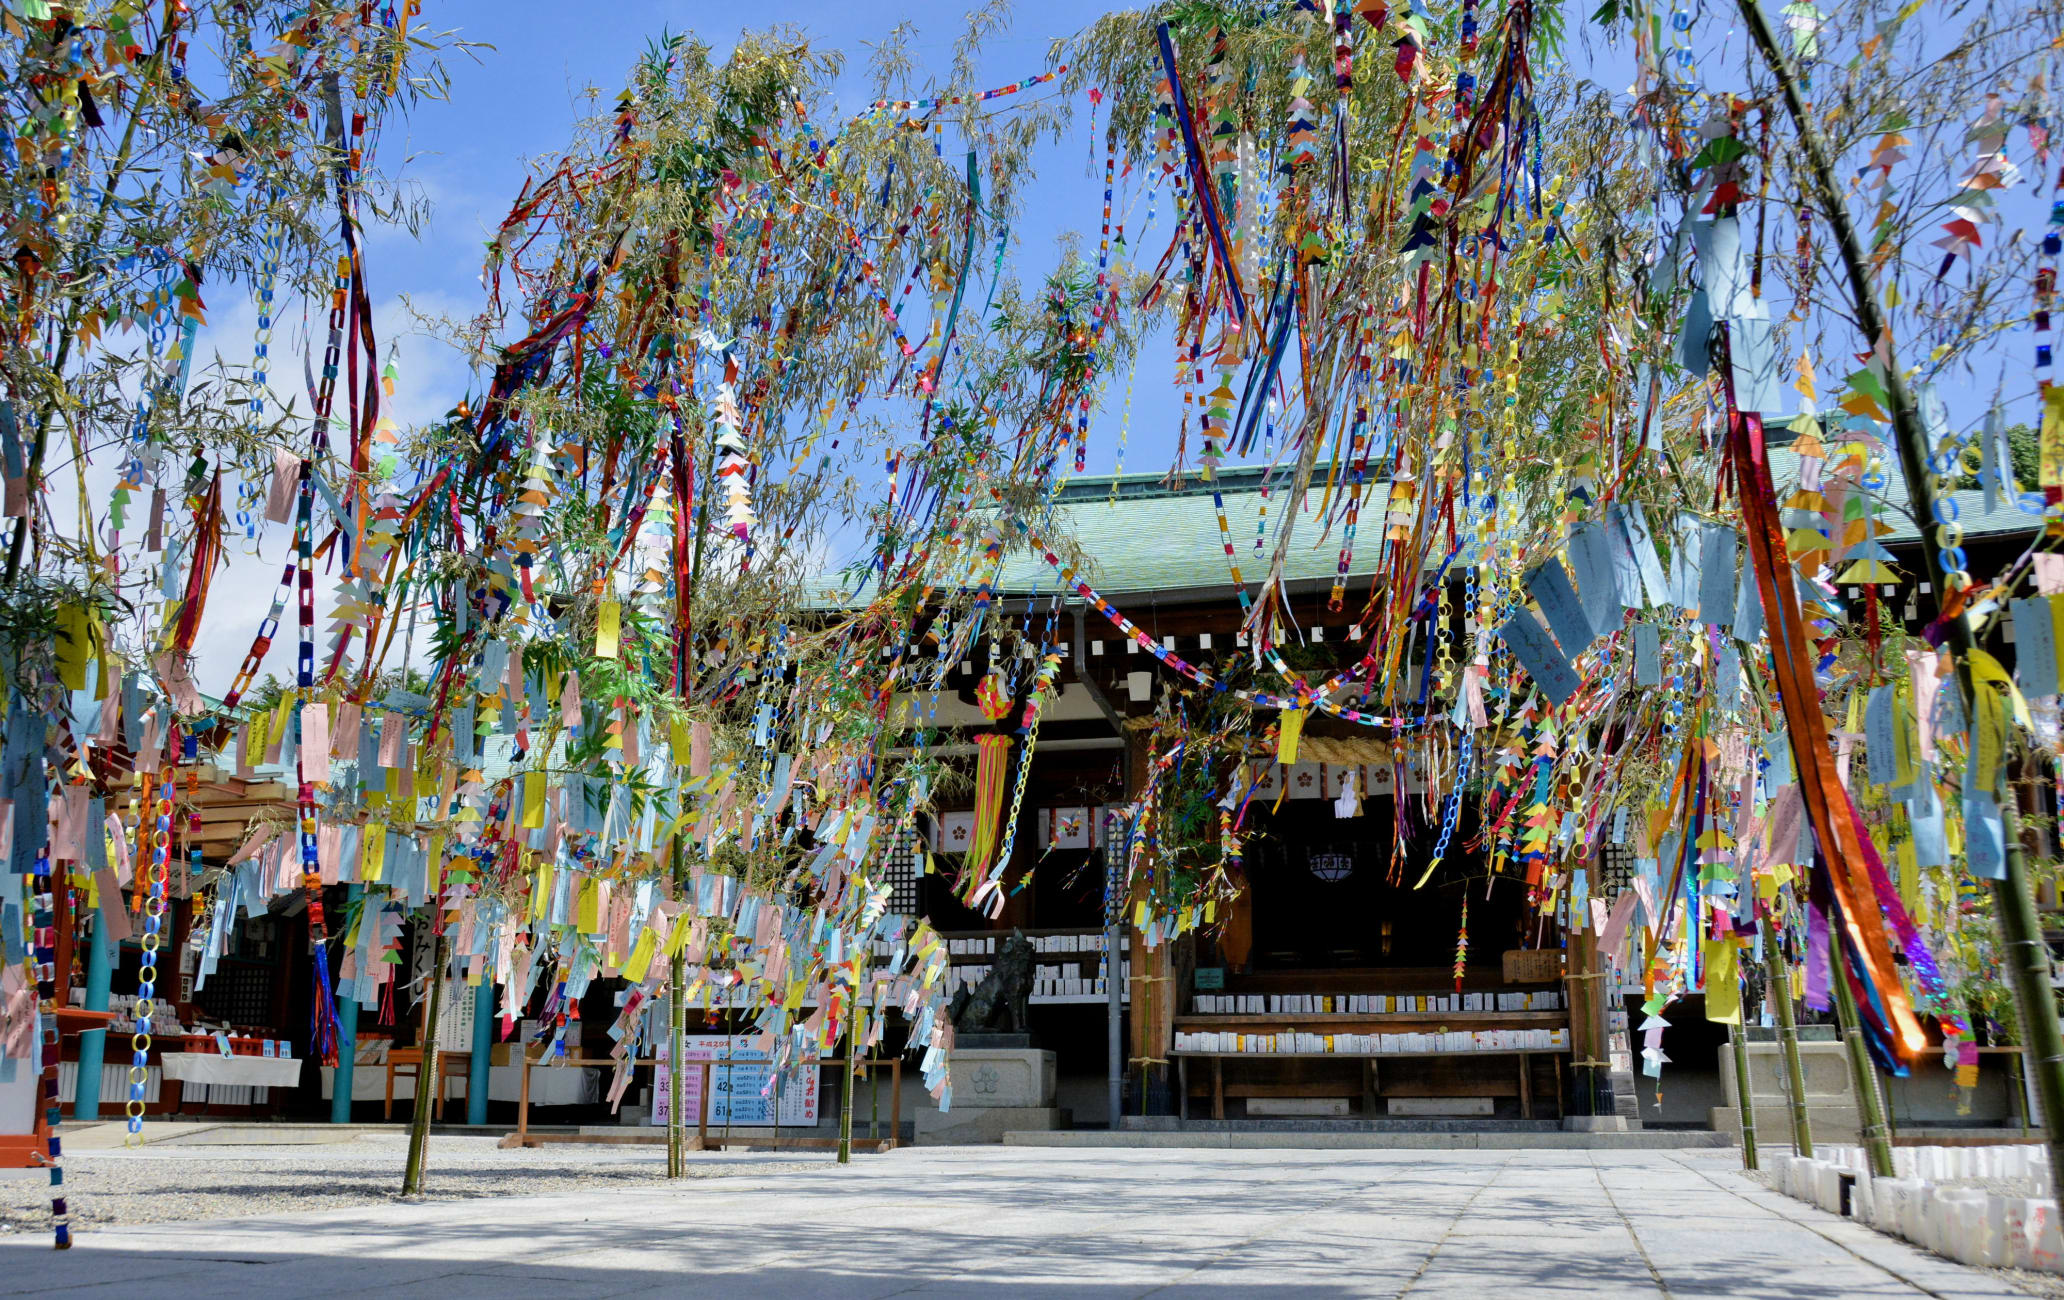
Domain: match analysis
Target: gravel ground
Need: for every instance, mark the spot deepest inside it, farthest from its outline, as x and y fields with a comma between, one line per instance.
x=171, y=1182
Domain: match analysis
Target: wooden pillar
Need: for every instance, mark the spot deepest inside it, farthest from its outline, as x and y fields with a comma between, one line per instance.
x=100, y=962
x=175, y=977
x=478, y=1061
x=1584, y=1049
x=1236, y=941
x=1588, y=983
x=1153, y=1013
x=61, y=921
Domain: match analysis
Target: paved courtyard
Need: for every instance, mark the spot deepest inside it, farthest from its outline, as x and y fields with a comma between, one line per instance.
x=1038, y=1222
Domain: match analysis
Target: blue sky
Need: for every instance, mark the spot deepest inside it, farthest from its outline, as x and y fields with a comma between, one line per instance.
x=519, y=102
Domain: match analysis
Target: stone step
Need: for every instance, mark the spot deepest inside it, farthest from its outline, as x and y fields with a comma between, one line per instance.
x=1830, y=1123
x=977, y=1125
x=1427, y=1124
x=1648, y=1140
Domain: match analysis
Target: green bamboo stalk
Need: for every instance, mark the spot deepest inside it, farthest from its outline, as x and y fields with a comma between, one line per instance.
x=1744, y=1095
x=1876, y=1140
x=426, y=1073
x=677, y=966
x=2027, y=958
x=677, y=1036
x=845, y=1137
x=1778, y=988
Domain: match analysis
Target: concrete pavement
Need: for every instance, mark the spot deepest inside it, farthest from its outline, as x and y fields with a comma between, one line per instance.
x=1023, y=1221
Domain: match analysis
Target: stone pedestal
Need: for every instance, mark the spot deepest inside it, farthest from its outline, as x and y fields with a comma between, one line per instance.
x=1601, y=1123
x=995, y=1090
x=1830, y=1096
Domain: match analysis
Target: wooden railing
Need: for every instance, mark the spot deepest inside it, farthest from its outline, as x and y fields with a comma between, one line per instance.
x=702, y=1141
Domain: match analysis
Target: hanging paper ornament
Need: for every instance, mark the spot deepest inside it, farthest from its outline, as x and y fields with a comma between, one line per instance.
x=1462, y=943
x=526, y=535
x=734, y=469
x=1722, y=162
x=992, y=764
x=1803, y=19
x=1302, y=129
x=1218, y=416
x=1975, y=206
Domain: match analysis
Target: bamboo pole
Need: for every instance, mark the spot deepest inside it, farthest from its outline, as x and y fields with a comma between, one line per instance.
x=845, y=1136
x=677, y=965
x=1861, y=1071
x=426, y=1071
x=2027, y=958
x=677, y=1037
x=1778, y=988
x=1744, y=1095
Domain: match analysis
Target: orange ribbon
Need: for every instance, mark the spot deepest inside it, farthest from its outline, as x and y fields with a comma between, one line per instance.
x=1827, y=800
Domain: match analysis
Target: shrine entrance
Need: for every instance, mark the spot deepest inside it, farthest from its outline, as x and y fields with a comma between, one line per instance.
x=1333, y=993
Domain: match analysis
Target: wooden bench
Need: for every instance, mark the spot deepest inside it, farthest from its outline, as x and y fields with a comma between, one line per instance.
x=1521, y=1086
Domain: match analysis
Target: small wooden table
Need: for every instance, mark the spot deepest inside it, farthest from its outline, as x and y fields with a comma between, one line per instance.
x=410, y=1059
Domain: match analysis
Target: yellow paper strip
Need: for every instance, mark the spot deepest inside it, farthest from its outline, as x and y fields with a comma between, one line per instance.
x=533, y=800
x=1288, y=732
x=1723, y=982
x=641, y=955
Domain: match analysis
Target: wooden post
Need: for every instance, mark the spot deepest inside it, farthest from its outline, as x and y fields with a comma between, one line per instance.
x=523, y=1095
x=345, y=1081
x=1589, y=1036
x=483, y=1052
x=100, y=960
x=702, y=1111
x=1153, y=1022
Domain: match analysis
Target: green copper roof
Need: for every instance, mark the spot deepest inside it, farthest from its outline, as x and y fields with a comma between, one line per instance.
x=1138, y=534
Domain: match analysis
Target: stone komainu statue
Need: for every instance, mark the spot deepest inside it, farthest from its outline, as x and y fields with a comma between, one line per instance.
x=1002, y=995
